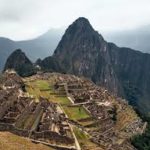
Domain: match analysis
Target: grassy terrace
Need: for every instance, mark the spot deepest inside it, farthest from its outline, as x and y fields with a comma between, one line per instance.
x=76, y=113
x=87, y=123
x=9, y=141
x=84, y=140
x=44, y=88
x=61, y=100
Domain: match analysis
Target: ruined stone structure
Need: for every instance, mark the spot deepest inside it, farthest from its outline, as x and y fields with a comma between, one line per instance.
x=21, y=115
x=115, y=121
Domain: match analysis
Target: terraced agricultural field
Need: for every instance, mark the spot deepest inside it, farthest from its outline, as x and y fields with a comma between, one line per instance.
x=63, y=100
x=38, y=88
x=84, y=140
x=79, y=114
x=87, y=122
x=76, y=112
x=45, y=89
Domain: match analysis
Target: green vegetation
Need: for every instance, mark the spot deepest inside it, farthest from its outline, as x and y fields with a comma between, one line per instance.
x=25, y=70
x=142, y=142
x=132, y=93
x=42, y=84
x=84, y=139
x=63, y=100
x=76, y=113
x=81, y=136
x=43, y=88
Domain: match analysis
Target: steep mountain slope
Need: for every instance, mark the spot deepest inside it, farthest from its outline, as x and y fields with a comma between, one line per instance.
x=19, y=62
x=83, y=51
x=133, y=71
x=125, y=72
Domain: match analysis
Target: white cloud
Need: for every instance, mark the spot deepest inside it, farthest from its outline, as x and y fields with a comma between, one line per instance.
x=23, y=19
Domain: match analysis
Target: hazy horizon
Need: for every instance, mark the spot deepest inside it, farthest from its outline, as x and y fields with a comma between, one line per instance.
x=28, y=19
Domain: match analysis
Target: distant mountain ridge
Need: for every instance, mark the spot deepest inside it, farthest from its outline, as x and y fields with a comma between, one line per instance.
x=39, y=47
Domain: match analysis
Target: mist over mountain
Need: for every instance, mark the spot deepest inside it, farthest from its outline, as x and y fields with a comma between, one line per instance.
x=43, y=45
x=137, y=38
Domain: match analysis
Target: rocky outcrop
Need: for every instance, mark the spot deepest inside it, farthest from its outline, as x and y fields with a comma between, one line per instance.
x=20, y=63
x=50, y=64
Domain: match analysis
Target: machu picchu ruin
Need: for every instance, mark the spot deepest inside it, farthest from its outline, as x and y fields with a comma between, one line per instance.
x=66, y=112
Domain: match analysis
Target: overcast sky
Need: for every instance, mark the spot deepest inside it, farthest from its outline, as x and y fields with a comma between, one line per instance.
x=26, y=19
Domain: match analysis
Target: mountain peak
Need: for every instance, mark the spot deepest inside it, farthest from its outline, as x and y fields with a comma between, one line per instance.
x=82, y=20
x=18, y=51
x=78, y=36
x=82, y=24
x=20, y=63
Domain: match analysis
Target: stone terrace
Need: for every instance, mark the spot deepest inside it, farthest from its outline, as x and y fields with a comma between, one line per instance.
x=111, y=130
x=43, y=121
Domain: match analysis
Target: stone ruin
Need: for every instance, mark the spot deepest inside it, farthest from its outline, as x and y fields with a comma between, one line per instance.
x=43, y=121
x=104, y=109
x=50, y=125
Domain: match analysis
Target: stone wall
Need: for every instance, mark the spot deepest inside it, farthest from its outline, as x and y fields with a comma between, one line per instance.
x=53, y=136
x=11, y=128
x=24, y=115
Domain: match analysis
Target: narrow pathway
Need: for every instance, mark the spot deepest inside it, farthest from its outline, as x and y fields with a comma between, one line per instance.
x=75, y=138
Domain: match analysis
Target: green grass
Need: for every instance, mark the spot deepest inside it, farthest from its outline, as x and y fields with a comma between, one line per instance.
x=80, y=134
x=76, y=112
x=42, y=85
x=63, y=100
x=84, y=139
x=43, y=88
